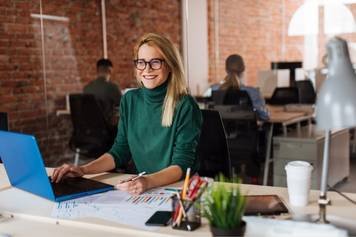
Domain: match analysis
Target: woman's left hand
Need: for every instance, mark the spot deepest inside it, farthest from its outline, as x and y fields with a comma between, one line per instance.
x=135, y=187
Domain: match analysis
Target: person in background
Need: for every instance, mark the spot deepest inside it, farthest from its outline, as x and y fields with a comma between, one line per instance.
x=159, y=125
x=106, y=92
x=235, y=68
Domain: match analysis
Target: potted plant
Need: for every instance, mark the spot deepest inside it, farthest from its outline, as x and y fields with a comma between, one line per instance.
x=224, y=206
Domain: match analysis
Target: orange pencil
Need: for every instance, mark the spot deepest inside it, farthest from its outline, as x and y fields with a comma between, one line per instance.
x=184, y=194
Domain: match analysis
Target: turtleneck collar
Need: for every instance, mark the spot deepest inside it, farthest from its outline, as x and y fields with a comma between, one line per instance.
x=155, y=95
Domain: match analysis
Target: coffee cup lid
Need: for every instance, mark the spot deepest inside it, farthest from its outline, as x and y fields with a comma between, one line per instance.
x=298, y=164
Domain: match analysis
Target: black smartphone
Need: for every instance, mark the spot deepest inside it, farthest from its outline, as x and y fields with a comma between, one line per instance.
x=160, y=218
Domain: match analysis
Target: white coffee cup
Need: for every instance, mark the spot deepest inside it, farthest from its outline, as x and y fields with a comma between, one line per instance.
x=298, y=182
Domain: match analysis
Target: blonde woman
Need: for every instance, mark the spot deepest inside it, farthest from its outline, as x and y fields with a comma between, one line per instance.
x=159, y=123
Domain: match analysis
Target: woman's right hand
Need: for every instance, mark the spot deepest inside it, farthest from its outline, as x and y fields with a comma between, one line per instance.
x=66, y=170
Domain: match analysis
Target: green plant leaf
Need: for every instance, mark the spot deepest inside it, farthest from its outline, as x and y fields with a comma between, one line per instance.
x=224, y=204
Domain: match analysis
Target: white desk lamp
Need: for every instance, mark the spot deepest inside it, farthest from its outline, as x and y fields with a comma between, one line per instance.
x=336, y=106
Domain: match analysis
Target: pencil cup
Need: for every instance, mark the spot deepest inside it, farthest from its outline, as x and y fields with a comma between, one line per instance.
x=188, y=219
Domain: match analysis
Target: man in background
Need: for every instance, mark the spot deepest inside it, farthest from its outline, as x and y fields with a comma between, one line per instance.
x=106, y=92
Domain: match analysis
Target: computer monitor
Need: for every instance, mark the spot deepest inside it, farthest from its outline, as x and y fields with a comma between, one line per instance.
x=288, y=65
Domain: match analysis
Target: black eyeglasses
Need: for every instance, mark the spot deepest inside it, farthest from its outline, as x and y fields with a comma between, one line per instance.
x=155, y=64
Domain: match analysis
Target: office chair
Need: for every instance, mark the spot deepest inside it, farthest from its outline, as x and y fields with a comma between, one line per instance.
x=307, y=94
x=231, y=96
x=212, y=148
x=243, y=133
x=92, y=134
x=285, y=95
x=218, y=96
x=4, y=124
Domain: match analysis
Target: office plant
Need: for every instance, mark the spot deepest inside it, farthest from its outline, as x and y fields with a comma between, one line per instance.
x=224, y=206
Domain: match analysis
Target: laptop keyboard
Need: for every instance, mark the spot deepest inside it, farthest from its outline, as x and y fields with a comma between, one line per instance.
x=77, y=185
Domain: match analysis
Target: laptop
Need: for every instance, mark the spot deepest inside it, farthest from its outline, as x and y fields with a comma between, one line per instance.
x=25, y=169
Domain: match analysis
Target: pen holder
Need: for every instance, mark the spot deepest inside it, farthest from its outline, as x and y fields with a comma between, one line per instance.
x=190, y=218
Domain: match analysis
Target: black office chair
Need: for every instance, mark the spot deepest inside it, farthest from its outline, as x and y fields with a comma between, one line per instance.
x=212, y=149
x=307, y=94
x=242, y=131
x=218, y=96
x=92, y=134
x=4, y=124
x=231, y=96
x=284, y=95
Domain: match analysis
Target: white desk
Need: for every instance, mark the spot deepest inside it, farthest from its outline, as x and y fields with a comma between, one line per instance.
x=32, y=214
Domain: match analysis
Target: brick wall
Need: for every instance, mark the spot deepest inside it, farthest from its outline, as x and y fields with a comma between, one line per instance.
x=71, y=47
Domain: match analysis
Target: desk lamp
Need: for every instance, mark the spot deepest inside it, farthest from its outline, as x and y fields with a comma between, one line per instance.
x=335, y=107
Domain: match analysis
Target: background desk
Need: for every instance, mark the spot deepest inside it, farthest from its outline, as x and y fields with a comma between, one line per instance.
x=32, y=214
x=286, y=118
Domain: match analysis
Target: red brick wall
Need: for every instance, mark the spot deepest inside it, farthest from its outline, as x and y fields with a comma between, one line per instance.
x=253, y=29
x=71, y=50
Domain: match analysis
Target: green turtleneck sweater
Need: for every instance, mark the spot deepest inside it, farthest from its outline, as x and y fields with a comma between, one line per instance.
x=142, y=137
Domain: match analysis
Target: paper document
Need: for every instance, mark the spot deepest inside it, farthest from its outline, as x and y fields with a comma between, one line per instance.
x=116, y=206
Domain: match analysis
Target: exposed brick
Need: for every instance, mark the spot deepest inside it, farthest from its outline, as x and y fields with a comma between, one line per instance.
x=71, y=51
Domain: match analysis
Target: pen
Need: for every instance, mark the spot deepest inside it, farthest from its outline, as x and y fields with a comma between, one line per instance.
x=181, y=204
x=173, y=189
x=137, y=176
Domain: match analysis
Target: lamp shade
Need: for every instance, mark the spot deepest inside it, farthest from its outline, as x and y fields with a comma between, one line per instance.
x=336, y=102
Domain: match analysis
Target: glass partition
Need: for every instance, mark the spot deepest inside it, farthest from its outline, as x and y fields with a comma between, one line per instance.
x=21, y=79
x=72, y=43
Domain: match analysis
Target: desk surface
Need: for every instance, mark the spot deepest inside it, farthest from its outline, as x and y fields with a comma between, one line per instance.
x=31, y=212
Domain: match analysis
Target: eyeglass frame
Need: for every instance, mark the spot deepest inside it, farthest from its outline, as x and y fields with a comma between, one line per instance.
x=149, y=63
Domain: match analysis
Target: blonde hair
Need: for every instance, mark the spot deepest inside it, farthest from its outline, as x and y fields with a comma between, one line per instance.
x=177, y=86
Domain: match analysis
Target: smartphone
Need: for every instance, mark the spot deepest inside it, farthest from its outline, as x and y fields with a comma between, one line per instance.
x=160, y=218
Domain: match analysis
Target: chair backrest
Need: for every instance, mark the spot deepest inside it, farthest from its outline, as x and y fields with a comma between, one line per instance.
x=307, y=94
x=218, y=96
x=231, y=97
x=91, y=131
x=4, y=123
x=285, y=95
x=240, y=123
x=212, y=149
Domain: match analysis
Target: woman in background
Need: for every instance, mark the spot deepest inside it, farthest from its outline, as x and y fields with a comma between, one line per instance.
x=234, y=80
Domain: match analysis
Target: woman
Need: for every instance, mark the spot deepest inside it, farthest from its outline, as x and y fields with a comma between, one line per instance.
x=159, y=123
x=235, y=68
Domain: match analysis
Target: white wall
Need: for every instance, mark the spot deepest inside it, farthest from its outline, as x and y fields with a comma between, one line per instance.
x=195, y=44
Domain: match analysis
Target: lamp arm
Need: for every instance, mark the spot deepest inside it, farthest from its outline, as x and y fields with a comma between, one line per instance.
x=323, y=200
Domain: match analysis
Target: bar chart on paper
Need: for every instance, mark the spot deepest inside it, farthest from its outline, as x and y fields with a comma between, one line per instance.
x=149, y=199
